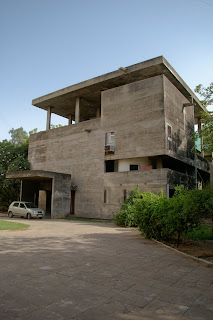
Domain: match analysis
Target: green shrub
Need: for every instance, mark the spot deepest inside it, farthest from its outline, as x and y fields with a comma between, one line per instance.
x=127, y=215
x=144, y=208
x=120, y=218
x=162, y=218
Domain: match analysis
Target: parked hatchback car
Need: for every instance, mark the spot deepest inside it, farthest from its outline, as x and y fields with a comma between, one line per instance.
x=24, y=209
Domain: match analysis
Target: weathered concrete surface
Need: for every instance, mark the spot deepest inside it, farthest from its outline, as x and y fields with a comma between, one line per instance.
x=76, y=270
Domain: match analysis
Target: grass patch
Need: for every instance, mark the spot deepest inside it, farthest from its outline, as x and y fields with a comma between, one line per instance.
x=88, y=220
x=7, y=225
x=204, y=233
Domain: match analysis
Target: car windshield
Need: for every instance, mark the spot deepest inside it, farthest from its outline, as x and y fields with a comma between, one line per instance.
x=30, y=205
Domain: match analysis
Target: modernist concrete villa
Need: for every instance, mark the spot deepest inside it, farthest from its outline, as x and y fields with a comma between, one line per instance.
x=129, y=128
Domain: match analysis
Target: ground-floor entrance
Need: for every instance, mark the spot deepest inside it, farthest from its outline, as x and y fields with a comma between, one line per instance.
x=50, y=191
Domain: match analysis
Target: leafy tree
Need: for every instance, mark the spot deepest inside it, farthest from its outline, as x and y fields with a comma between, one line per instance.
x=13, y=157
x=18, y=136
x=206, y=132
x=206, y=93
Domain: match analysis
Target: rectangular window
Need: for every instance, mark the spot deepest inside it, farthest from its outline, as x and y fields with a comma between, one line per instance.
x=133, y=167
x=169, y=137
x=110, y=166
x=109, y=138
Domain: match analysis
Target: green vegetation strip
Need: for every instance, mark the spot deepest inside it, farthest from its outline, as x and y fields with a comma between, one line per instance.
x=7, y=225
x=204, y=233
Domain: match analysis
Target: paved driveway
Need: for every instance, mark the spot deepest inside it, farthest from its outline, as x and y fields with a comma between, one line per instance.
x=77, y=270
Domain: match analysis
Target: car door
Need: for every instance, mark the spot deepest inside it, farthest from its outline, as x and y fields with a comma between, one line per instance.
x=15, y=208
x=22, y=210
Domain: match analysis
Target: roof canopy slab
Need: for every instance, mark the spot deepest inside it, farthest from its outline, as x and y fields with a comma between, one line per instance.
x=63, y=102
x=60, y=184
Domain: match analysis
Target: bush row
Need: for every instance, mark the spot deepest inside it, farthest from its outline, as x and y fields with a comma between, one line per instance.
x=160, y=217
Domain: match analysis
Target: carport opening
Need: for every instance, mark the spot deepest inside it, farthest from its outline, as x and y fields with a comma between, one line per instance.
x=38, y=191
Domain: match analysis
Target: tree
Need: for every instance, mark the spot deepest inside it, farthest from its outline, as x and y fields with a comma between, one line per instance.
x=206, y=93
x=13, y=157
x=18, y=136
x=206, y=132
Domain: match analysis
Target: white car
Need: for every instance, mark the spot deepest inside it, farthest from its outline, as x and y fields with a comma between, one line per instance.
x=25, y=210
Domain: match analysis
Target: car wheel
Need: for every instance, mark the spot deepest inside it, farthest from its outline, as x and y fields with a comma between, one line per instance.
x=10, y=214
x=40, y=217
x=29, y=216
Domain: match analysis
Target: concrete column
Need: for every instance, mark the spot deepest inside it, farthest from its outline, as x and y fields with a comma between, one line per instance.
x=70, y=120
x=42, y=199
x=77, y=110
x=20, y=194
x=48, y=118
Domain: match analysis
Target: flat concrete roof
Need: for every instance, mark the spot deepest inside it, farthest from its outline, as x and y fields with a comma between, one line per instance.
x=35, y=175
x=63, y=101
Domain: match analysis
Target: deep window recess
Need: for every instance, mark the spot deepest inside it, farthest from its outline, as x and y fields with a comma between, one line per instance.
x=110, y=166
x=133, y=167
x=169, y=137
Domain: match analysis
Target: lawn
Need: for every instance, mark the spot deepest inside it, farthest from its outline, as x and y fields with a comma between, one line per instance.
x=7, y=225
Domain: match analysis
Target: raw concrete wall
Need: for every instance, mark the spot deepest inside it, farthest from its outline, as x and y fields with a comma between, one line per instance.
x=135, y=112
x=73, y=150
x=181, y=119
x=115, y=183
x=61, y=196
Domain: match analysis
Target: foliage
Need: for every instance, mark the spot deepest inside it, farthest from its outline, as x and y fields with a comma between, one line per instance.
x=203, y=233
x=33, y=131
x=206, y=132
x=162, y=218
x=18, y=136
x=206, y=93
x=13, y=157
x=53, y=126
x=127, y=215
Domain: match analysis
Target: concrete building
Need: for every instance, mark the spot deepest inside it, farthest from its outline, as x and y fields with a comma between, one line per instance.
x=128, y=128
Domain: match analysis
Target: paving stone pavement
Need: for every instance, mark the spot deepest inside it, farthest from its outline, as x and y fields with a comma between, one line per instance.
x=62, y=270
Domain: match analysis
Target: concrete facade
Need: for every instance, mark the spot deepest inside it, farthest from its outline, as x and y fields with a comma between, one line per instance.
x=132, y=128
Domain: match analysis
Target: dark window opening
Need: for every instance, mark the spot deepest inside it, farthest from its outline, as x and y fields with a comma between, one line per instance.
x=105, y=196
x=133, y=167
x=171, y=192
x=111, y=166
x=169, y=138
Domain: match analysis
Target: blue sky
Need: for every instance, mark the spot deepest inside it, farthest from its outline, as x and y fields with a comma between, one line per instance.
x=47, y=45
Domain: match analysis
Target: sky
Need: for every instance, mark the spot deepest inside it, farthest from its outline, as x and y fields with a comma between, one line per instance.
x=47, y=45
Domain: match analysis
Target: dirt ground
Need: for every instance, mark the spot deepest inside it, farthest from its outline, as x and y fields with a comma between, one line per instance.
x=197, y=248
